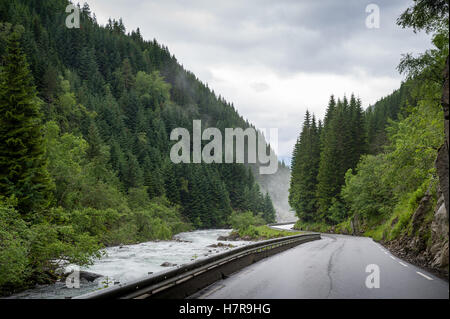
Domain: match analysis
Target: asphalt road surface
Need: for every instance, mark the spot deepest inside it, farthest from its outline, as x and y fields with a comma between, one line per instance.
x=333, y=267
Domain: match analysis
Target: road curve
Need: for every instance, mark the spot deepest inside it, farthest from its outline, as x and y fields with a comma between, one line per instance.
x=333, y=267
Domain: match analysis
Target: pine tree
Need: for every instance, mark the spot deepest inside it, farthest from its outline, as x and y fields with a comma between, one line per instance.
x=358, y=131
x=127, y=73
x=343, y=142
x=305, y=169
x=269, y=213
x=331, y=159
x=87, y=65
x=132, y=172
x=171, y=182
x=94, y=140
x=292, y=198
x=329, y=112
x=23, y=171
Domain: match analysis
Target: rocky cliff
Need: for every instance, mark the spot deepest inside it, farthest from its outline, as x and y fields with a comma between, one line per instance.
x=427, y=242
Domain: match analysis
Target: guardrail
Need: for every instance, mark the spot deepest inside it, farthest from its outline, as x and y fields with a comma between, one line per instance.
x=185, y=280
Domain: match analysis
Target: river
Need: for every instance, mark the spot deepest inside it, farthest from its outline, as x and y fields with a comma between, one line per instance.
x=124, y=263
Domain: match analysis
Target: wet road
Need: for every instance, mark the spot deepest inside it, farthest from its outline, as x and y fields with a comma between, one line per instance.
x=333, y=267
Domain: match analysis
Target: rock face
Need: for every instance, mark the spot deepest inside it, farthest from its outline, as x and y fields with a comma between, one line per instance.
x=426, y=244
x=445, y=103
x=439, y=237
x=413, y=246
x=441, y=165
x=442, y=159
x=440, y=224
x=356, y=227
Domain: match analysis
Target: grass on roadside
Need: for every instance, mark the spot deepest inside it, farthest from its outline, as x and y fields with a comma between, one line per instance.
x=263, y=232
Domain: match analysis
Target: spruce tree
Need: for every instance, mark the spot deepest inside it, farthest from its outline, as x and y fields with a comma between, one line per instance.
x=329, y=112
x=333, y=158
x=305, y=169
x=292, y=198
x=358, y=130
x=94, y=140
x=343, y=142
x=23, y=170
x=269, y=213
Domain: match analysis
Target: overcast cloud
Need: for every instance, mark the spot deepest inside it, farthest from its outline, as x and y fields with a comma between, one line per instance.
x=275, y=59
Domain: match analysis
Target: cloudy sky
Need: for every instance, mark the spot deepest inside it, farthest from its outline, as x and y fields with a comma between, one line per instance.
x=276, y=58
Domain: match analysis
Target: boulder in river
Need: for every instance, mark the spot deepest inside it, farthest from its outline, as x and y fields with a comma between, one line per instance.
x=85, y=276
x=233, y=236
x=181, y=240
x=167, y=264
x=89, y=276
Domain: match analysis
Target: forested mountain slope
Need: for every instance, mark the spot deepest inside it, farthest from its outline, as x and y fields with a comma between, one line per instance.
x=387, y=108
x=102, y=102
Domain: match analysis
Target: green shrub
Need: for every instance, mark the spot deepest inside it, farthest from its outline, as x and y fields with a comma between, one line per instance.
x=344, y=227
x=263, y=232
x=337, y=212
x=29, y=253
x=14, y=263
x=321, y=227
x=243, y=220
x=151, y=220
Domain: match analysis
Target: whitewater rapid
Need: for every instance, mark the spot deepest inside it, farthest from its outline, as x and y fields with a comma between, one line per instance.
x=128, y=262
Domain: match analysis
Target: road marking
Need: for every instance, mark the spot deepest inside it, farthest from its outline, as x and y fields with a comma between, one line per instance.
x=403, y=264
x=392, y=257
x=379, y=246
x=385, y=252
x=429, y=278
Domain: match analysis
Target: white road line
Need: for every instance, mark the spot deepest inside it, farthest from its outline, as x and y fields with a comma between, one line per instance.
x=379, y=246
x=403, y=264
x=392, y=257
x=429, y=278
x=385, y=253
